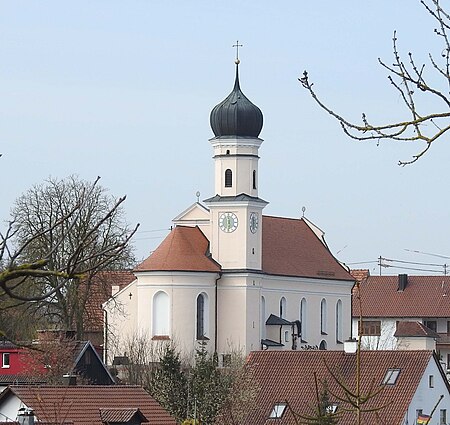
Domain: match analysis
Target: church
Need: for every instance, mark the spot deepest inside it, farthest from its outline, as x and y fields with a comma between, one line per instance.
x=229, y=277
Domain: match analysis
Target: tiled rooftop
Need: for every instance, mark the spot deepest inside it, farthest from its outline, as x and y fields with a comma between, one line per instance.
x=289, y=376
x=289, y=248
x=81, y=404
x=423, y=296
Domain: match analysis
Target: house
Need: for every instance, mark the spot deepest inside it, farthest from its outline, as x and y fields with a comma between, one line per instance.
x=84, y=405
x=229, y=276
x=37, y=363
x=386, y=302
x=403, y=383
x=102, y=286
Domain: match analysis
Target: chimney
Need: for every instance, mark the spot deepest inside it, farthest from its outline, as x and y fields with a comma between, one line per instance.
x=25, y=416
x=350, y=346
x=402, y=282
x=69, y=380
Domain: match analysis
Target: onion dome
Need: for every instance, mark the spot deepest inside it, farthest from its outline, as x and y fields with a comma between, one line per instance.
x=236, y=115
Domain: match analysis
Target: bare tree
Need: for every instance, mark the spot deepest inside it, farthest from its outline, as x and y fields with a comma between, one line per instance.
x=62, y=232
x=413, y=84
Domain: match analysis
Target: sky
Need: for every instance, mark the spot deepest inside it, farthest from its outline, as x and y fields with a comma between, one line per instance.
x=123, y=90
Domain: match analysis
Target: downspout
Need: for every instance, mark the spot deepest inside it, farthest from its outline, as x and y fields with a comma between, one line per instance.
x=216, y=314
x=105, y=338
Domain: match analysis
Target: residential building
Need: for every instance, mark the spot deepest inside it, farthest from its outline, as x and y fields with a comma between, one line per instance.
x=26, y=364
x=83, y=405
x=229, y=276
x=402, y=384
x=384, y=303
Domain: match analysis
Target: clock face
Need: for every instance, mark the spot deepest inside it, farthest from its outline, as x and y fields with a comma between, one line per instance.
x=228, y=222
x=253, y=222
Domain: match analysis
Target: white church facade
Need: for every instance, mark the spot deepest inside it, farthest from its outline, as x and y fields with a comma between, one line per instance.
x=229, y=276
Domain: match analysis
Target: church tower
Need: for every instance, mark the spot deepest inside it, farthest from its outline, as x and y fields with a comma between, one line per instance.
x=236, y=209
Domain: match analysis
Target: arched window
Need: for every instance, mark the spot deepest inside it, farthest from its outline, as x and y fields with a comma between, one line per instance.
x=323, y=345
x=283, y=307
x=323, y=316
x=263, y=318
x=339, y=321
x=228, y=178
x=303, y=318
x=160, y=323
x=254, y=179
x=202, y=321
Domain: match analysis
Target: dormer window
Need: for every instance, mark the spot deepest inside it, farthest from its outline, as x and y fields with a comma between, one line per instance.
x=391, y=377
x=228, y=178
x=277, y=411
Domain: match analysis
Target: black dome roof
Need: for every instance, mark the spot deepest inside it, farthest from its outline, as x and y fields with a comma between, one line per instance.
x=236, y=115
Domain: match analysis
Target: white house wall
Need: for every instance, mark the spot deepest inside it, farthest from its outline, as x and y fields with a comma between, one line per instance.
x=121, y=319
x=425, y=398
x=387, y=340
x=9, y=408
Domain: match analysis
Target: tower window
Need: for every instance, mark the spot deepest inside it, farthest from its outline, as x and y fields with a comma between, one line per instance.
x=254, y=179
x=228, y=178
x=228, y=151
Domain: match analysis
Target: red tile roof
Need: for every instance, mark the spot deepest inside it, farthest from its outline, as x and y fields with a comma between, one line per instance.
x=100, y=290
x=291, y=248
x=289, y=376
x=424, y=296
x=117, y=415
x=414, y=329
x=81, y=404
x=184, y=249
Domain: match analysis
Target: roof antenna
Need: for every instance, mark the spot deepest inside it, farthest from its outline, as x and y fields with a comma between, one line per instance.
x=303, y=211
x=197, y=194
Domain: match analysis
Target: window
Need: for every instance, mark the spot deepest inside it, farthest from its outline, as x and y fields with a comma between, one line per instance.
x=331, y=408
x=303, y=318
x=263, y=318
x=254, y=179
x=228, y=178
x=339, y=321
x=370, y=327
x=431, y=324
x=323, y=316
x=431, y=381
x=160, y=325
x=226, y=360
x=323, y=345
x=391, y=376
x=202, y=317
x=277, y=410
x=286, y=336
x=283, y=307
x=443, y=417
x=5, y=360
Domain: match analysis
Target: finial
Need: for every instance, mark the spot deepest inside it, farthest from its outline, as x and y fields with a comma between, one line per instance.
x=237, y=45
x=197, y=194
x=303, y=211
